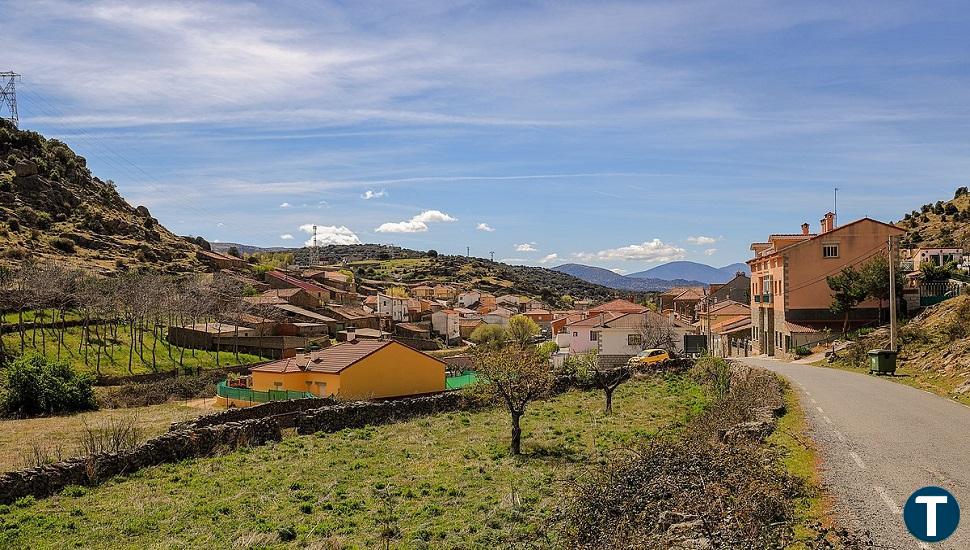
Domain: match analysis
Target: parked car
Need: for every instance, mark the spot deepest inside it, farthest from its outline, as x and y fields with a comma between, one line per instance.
x=649, y=356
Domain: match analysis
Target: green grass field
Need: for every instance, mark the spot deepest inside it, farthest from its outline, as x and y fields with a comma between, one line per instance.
x=114, y=359
x=453, y=482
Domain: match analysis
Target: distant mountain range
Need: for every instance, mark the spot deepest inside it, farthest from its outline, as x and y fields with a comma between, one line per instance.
x=662, y=277
x=692, y=271
x=605, y=277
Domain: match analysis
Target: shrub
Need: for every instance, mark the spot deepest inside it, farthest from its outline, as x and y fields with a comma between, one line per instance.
x=44, y=220
x=35, y=385
x=14, y=224
x=802, y=351
x=63, y=244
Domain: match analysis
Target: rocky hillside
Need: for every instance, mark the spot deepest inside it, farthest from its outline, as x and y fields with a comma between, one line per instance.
x=943, y=223
x=52, y=207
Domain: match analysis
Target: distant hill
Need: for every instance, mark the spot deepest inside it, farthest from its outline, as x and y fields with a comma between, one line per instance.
x=692, y=271
x=383, y=263
x=939, y=224
x=53, y=208
x=607, y=278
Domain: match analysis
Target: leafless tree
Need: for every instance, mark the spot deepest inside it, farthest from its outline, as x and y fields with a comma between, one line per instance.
x=518, y=376
x=606, y=378
x=656, y=331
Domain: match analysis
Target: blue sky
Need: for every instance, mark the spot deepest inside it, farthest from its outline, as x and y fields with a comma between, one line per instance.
x=613, y=134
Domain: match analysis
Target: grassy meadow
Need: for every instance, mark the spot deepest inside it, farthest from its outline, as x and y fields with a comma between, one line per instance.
x=445, y=481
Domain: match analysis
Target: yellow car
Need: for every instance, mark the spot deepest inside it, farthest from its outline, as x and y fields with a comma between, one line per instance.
x=649, y=356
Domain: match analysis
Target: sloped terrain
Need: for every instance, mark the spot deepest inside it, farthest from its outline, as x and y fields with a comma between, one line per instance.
x=934, y=349
x=939, y=224
x=52, y=207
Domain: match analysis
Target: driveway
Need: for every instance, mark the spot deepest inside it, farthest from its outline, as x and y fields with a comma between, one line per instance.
x=879, y=441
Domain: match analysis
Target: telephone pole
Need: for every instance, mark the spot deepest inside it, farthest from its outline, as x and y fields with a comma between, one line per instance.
x=8, y=95
x=468, y=252
x=492, y=255
x=892, y=298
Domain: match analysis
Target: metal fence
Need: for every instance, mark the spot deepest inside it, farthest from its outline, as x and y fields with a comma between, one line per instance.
x=466, y=378
x=253, y=396
x=934, y=293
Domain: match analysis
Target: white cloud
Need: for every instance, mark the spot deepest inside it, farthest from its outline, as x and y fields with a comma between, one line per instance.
x=287, y=236
x=285, y=205
x=330, y=234
x=710, y=251
x=701, y=239
x=485, y=227
x=549, y=258
x=526, y=247
x=648, y=251
x=417, y=224
x=370, y=194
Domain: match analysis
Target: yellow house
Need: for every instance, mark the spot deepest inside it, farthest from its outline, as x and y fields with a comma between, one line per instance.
x=360, y=369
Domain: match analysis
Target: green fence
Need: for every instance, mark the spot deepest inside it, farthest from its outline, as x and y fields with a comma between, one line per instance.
x=245, y=394
x=464, y=379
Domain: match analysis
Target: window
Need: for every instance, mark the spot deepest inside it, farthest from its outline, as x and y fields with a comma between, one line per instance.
x=633, y=339
x=830, y=251
x=575, y=334
x=594, y=335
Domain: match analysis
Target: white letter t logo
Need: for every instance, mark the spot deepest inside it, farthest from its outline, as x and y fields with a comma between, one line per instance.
x=931, y=502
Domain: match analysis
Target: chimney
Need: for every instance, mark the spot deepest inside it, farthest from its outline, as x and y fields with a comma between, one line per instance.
x=828, y=222
x=351, y=334
x=804, y=229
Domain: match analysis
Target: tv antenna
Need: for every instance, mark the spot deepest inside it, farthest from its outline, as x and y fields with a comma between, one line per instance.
x=8, y=95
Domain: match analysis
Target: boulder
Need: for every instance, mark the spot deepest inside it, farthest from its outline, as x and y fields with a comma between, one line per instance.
x=25, y=168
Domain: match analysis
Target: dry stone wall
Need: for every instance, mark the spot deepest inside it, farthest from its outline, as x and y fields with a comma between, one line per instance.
x=170, y=447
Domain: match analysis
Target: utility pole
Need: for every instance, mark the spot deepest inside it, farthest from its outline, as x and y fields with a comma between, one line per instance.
x=8, y=95
x=892, y=298
x=314, y=252
x=468, y=252
x=492, y=255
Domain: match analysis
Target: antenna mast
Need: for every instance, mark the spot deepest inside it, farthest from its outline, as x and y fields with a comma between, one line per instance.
x=8, y=95
x=835, y=222
x=314, y=252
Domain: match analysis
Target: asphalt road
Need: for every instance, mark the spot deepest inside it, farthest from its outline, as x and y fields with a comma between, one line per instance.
x=878, y=442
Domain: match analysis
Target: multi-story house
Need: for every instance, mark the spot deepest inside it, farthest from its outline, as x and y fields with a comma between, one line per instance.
x=791, y=298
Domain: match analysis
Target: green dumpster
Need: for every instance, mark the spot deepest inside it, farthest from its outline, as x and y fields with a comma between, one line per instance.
x=882, y=361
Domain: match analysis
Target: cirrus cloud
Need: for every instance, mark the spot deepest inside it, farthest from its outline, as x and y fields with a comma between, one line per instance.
x=647, y=251
x=417, y=224
x=549, y=258
x=701, y=239
x=330, y=234
x=710, y=252
x=371, y=194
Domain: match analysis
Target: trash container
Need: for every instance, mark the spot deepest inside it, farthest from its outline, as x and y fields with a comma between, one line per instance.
x=882, y=361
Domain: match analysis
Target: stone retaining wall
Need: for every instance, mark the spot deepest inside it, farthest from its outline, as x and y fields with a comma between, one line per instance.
x=170, y=447
x=357, y=414
x=281, y=410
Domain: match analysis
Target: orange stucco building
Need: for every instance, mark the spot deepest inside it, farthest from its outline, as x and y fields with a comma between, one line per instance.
x=360, y=369
x=790, y=296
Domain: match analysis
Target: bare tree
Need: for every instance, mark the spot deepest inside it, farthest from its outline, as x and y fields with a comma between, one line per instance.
x=518, y=376
x=606, y=378
x=656, y=331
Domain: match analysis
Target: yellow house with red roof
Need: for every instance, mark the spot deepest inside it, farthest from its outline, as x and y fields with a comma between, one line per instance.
x=359, y=369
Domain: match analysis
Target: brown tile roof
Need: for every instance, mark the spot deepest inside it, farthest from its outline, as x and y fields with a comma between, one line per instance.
x=299, y=283
x=691, y=294
x=794, y=328
x=595, y=320
x=297, y=310
x=329, y=360
x=264, y=300
x=618, y=305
